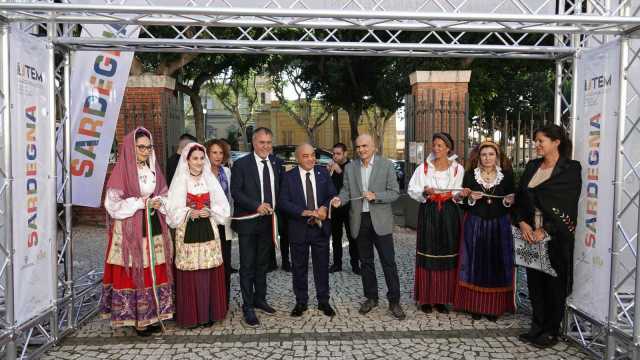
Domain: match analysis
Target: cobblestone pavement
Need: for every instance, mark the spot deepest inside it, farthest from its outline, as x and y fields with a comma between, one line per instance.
x=348, y=335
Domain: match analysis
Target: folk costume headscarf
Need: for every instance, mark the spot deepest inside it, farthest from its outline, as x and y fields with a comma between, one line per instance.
x=178, y=192
x=124, y=180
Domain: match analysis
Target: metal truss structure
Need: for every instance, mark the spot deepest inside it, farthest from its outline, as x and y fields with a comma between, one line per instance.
x=554, y=30
x=443, y=28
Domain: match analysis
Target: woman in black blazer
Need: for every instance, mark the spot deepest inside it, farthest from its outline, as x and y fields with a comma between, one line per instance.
x=547, y=204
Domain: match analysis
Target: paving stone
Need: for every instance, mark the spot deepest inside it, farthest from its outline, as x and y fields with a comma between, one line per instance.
x=349, y=335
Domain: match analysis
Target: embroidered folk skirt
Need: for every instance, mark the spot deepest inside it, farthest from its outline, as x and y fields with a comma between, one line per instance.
x=486, y=271
x=122, y=302
x=437, y=252
x=201, y=295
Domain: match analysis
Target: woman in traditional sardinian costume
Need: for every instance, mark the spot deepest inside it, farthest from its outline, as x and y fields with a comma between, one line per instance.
x=197, y=204
x=434, y=184
x=547, y=206
x=138, y=289
x=485, y=278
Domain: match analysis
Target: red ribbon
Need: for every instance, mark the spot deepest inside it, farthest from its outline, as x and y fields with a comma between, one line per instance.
x=199, y=201
x=440, y=199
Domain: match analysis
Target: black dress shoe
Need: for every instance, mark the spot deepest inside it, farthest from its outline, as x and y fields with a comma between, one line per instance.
x=298, y=310
x=492, y=318
x=441, y=308
x=529, y=337
x=545, y=341
x=476, y=317
x=426, y=308
x=335, y=268
x=250, y=317
x=143, y=333
x=154, y=328
x=397, y=312
x=264, y=307
x=234, y=270
x=356, y=270
x=368, y=306
x=326, y=309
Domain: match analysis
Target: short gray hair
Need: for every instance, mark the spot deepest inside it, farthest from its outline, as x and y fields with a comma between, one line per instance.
x=261, y=129
x=303, y=145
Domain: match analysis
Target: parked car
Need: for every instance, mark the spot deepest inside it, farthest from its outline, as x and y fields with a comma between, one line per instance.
x=288, y=154
x=235, y=155
x=400, y=171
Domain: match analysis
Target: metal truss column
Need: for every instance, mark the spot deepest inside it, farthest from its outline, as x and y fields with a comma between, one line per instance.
x=10, y=349
x=617, y=196
x=557, y=102
x=51, y=90
x=68, y=260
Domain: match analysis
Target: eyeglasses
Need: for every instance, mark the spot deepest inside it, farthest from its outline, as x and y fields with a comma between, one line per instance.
x=145, y=148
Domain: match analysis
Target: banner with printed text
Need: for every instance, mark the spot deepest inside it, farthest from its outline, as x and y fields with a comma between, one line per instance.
x=99, y=80
x=33, y=188
x=595, y=148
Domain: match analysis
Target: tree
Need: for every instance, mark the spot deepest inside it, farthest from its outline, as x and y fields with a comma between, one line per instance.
x=377, y=120
x=238, y=94
x=191, y=70
x=194, y=69
x=308, y=112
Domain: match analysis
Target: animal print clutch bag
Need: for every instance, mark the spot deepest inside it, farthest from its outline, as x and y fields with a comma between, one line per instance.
x=534, y=256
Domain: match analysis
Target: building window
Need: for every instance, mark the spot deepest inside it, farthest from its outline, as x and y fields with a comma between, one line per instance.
x=210, y=103
x=263, y=98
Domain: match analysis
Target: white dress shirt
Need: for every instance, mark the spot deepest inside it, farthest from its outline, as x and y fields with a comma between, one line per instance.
x=303, y=176
x=365, y=173
x=271, y=176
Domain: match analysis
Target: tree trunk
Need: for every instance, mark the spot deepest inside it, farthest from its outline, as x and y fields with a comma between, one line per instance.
x=311, y=136
x=198, y=115
x=380, y=128
x=336, y=127
x=354, y=119
x=243, y=132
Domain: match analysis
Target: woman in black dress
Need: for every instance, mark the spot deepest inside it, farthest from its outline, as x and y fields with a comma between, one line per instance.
x=547, y=204
x=485, y=275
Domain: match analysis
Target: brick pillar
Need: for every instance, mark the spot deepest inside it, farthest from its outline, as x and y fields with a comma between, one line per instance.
x=149, y=101
x=441, y=99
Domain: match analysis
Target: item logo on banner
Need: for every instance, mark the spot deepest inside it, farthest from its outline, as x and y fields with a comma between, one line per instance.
x=26, y=72
x=598, y=82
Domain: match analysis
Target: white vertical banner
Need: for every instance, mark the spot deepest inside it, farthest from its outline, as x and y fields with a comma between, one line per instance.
x=33, y=191
x=98, y=82
x=595, y=148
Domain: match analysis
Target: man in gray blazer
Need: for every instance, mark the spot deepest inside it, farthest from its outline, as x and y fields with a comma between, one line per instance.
x=370, y=185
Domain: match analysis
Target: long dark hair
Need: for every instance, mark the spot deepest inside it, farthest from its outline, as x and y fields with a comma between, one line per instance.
x=556, y=132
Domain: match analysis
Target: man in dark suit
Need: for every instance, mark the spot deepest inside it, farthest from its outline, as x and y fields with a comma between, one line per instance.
x=172, y=161
x=305, y=196
x=255, y=188
x=340, y=216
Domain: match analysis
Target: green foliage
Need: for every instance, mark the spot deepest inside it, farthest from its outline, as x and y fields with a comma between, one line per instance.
x=359, y=83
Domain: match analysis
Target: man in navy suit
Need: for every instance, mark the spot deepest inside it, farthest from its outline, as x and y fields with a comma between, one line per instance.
x=305, y=196
x=255, y=188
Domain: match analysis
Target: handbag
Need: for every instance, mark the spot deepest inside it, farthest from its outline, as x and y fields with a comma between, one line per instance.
x=534, y=256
